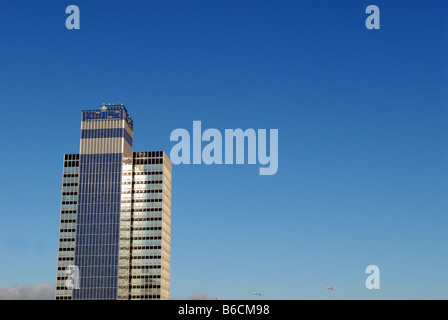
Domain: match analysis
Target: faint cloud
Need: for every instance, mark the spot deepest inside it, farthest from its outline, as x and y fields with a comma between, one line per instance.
x=194, y=296
x=198, y=296
x=41, y=291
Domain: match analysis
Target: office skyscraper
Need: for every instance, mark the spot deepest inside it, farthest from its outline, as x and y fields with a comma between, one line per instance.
x=115, y=223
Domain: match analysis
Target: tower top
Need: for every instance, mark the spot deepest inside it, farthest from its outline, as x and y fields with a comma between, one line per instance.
x=108, y=112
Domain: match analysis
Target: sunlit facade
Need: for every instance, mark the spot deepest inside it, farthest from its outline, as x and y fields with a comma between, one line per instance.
x=115, y=224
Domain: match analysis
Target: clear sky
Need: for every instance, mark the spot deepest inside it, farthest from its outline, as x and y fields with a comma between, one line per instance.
x=362, y=120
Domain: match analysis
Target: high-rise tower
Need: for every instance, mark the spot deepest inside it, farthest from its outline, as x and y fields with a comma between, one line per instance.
x=115, y=229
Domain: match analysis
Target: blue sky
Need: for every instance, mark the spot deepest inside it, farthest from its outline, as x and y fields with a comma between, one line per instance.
x=362, y=120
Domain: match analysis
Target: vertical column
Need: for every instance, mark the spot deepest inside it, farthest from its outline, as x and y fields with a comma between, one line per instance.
x=98, y=222
x=103, y=224
x=67, y=226
x=125, y=231
x=166, y=228
x=151, y=226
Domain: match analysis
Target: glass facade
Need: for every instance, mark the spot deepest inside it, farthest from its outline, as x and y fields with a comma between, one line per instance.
x=115, y=226
x=98, y=226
